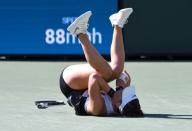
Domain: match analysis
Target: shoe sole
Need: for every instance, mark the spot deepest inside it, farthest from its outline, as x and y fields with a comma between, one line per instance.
x=72, y=27
x=127, y=10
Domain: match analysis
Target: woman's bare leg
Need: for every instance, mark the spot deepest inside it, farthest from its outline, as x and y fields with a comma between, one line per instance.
x=117, y=47
x=117, y=52
x=94, y=58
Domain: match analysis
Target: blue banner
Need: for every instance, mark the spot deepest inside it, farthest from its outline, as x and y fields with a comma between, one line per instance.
x=39, y=27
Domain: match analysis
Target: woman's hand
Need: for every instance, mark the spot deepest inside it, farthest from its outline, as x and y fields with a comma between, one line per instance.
x=124, y=83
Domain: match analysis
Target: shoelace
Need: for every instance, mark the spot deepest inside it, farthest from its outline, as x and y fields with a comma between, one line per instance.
x=83, y=26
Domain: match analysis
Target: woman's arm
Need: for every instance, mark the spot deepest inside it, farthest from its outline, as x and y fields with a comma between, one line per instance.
x=96, y=104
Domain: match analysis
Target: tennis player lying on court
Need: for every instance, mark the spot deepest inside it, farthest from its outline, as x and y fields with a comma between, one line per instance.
x=86, y=85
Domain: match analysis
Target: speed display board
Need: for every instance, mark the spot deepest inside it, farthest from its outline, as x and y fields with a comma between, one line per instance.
x=39, y=27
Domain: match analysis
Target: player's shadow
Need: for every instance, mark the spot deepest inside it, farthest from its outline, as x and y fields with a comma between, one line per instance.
x=162, y=116
x=168, y=116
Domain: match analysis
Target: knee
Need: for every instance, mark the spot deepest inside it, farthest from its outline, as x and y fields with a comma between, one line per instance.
x=106, y=73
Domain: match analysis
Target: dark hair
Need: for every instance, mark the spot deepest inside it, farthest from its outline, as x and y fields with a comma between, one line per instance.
x=133, y=109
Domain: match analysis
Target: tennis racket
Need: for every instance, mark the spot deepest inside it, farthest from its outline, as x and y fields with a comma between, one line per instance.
x=46, y=104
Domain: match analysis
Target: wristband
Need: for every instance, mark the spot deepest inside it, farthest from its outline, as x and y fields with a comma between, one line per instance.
x=111, y=92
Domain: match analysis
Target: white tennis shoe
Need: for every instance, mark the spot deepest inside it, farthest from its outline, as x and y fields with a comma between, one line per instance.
x=120, y=18
x=80, y=25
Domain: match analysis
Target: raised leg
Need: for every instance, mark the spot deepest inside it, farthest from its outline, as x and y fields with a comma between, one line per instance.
x=94, y=58
x=117, y=47
x=117, y=52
